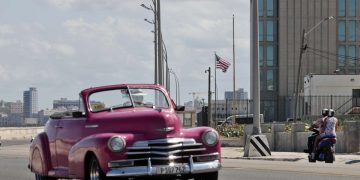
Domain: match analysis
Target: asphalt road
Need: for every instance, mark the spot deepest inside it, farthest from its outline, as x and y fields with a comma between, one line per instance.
x=13, y=162
x=5, y=143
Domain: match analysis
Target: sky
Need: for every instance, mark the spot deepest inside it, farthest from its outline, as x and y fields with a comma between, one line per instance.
x=63, y=46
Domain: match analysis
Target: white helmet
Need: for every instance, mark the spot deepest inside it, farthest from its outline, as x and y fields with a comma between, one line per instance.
x=331, y=113
x=324, y=112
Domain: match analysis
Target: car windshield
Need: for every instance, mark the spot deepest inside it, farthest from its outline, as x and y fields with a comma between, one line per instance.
x=127, y=97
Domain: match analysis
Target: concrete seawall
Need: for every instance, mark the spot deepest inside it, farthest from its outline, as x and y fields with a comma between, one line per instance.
x=19, y=133
x=296, y=140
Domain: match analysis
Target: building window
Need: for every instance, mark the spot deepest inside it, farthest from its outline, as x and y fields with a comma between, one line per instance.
x=261, y=7
x=341, y=31
x=270, y=80
x=269, y=109
x=352, y=8
x=270, y=8
x=351, y=71
x=351, y=55
x=269, y=31
x=270, y=55
x=352, y=31
x=341, y=56
x=261, y=30
x=341, y=8
x=261, y=55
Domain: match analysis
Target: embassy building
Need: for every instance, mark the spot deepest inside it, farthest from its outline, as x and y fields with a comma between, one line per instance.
x=332, y=46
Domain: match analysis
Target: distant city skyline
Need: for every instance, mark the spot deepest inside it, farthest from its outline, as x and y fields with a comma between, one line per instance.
x=62, y=47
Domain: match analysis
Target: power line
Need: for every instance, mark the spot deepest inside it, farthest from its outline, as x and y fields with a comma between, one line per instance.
x=333, y=54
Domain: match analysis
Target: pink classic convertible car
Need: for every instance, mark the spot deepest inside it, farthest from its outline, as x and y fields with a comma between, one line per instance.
x=124, y=131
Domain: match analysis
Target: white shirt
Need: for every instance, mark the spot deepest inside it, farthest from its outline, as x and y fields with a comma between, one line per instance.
x=330, y=125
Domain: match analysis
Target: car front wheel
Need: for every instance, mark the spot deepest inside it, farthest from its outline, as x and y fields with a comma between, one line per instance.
x=94, y=170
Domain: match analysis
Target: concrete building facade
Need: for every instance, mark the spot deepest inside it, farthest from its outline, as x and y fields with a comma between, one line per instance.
x=338, y=92
x=30, y=102
x=16, y=107
x=241, y=94
x=65, y=103
x=330, y=45
x=224, y=108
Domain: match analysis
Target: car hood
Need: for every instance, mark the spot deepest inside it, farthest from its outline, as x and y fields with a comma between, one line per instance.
x=151, y=123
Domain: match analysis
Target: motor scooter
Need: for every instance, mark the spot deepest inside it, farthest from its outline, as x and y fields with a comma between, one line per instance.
x=326, y=148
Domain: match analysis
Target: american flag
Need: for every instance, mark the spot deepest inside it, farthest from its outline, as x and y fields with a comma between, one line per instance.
x=221, y=63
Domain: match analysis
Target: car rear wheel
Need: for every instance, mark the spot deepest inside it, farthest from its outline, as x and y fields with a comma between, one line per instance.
x=207, y=176
x=94, y=170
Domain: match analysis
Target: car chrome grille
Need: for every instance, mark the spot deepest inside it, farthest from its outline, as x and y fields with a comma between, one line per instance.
x=164, y=151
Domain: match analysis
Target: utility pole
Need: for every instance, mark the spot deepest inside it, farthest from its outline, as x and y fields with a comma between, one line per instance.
x=250, y=149
x=302, y=50
x=255, y=83
x=160, y=45
x=209, y=96
x=303, y=47
x=234, y=92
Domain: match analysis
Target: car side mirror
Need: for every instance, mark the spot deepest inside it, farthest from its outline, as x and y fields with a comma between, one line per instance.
x=78, y=114
x=180, y=108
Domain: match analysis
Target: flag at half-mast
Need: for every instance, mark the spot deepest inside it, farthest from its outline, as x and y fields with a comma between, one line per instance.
x=221, y=63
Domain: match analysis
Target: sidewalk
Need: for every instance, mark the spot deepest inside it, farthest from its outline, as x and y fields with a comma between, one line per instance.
x=238, y=153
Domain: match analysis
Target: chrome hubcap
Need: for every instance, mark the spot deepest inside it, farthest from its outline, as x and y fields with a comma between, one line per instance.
x=94, y=170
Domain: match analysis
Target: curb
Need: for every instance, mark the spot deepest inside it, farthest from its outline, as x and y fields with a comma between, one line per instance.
x=266, y=158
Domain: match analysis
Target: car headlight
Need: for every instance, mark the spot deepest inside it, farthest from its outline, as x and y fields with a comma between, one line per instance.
x=210, y=138
x=116, y=143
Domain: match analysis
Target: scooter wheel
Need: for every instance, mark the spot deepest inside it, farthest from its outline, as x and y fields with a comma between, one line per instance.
x=329, y=158
x=311, y=160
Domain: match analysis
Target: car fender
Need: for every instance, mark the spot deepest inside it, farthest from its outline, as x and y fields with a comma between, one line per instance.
x=196, y=133
x=94, y=145
x=39, y=158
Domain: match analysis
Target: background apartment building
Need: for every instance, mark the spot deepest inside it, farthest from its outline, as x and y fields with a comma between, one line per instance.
x=30, y=102
x=65, y=103
x=331, y=46
x=241, y=94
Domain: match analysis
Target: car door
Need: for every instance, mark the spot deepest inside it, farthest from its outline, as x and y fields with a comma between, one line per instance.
x=69, y=132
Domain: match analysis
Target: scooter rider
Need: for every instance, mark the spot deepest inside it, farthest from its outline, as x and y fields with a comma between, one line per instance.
x=328, y=130
x=319, y=126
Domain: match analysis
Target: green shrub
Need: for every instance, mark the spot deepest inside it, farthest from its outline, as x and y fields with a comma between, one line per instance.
x=236, y=130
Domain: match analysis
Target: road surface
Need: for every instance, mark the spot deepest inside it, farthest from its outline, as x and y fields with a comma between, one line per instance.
x=13, y=165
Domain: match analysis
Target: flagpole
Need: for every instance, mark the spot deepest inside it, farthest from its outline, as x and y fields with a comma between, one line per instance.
x=215, y=91
x=234, y=92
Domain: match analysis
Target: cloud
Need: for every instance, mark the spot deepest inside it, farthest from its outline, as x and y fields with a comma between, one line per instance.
x=68, y=45
x=84, y=4
x=7, y=42
x=3, y=74
x=64, y=49
x=6, y=29
x=62, y=3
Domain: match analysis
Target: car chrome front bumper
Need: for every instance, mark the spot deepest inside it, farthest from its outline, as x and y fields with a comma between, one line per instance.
x=149, y=170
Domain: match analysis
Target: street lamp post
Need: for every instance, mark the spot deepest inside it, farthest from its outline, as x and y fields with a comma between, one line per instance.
x=153, y=9
x=159, y=47
x=209, y=97
x=303, y=47
x=177, y=92
x=167, y=75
